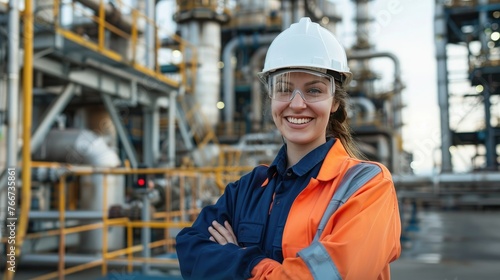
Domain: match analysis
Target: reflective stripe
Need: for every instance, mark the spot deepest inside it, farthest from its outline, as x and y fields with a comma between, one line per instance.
x=319, y=262
x=315, y=255
x=354, y=178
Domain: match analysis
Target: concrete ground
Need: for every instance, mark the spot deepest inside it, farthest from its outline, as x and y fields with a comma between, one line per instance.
x=437, y=245
x=450, y=245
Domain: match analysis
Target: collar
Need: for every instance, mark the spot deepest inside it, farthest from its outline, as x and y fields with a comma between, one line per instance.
x=308, y=162
x=334, y=160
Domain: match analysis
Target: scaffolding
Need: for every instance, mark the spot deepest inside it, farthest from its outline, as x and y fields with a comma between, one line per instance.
x=473, y=27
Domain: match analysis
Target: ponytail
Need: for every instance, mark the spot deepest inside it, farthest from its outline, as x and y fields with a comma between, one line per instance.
x=337, y=124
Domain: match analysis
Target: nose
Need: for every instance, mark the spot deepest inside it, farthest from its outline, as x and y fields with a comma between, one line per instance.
x=298, y=100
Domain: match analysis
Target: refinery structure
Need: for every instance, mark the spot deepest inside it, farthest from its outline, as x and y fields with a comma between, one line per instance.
x=119, y=132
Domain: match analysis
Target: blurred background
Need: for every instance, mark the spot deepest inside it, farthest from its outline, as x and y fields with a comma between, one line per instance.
x=121, y=119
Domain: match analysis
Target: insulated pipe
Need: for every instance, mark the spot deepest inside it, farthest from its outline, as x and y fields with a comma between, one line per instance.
x=77, y=146
x=396, y=103
x=368, y=108
x=228, y=71
x=13, y=103
x=53, y=215
x=206, y=37
x=13, y=83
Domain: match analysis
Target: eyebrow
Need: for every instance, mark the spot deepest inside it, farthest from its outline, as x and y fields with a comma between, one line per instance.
x=315, y=82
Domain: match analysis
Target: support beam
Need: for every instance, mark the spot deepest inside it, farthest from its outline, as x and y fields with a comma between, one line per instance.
x=107, y=80
x=122, y=134
x=51, y=114
x=440, y=30
x=151, y=135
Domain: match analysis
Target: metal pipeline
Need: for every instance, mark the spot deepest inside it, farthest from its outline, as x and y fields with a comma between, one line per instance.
x=396, y=100
x=27, y=122
x=228, y=72
x=13, y=83
x=12, y=99
x=112, y=14
x=255, y=66
x=77, y=147
x=440, y=41
x=367, y=106
x=447, y=178
x=40, y=259
x=79, y=215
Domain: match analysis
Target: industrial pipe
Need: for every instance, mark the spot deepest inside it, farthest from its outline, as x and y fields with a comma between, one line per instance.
x=256, y=66
x=112, y=14
x=44, y=259
x=27, y=120
x=440, y=35
x=446, y=178
x=13, y=103
x=228, y=72
x=396, y=100
x=13, y=83
x=367, y=106
x=79, y=215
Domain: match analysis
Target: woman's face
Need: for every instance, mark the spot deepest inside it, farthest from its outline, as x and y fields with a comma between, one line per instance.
x=299, y=121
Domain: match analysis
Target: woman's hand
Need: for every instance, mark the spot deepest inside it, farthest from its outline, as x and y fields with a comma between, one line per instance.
x=222, y=234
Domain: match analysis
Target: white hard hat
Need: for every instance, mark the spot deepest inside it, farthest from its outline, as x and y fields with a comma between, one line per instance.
x=307, y=45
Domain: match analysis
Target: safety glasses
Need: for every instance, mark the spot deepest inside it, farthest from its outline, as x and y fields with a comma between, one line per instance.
x=312, y=86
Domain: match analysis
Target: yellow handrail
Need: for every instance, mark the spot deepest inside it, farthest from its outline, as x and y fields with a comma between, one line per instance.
x=27, y=122
x=183, y=176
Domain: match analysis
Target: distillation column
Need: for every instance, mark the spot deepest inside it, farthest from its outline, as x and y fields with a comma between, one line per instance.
x=200, y=23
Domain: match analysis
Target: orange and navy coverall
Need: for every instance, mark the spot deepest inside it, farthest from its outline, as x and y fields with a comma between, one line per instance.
x=328, y=217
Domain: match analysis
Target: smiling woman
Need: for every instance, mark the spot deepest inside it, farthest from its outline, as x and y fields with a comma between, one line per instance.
x=318, y=211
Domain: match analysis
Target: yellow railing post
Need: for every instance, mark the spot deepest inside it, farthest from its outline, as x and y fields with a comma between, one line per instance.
x=102, y=23
x=27, y=122
x=55, y=11
x=156, y=50
x=104, y=269
x=130, y=240
x=133, y=39
x=62, y=223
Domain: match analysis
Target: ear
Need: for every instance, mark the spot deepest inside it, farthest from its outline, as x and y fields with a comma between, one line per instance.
x=335, y=106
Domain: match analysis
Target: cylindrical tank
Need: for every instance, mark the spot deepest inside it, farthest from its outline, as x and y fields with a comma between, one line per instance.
x=208, y=75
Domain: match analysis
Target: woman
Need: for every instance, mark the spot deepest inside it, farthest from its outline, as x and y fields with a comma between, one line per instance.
x=317, y=212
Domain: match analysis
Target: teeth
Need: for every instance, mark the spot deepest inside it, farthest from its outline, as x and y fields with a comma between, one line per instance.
x=298, y=121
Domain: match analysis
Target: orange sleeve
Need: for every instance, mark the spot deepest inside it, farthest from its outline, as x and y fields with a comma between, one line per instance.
x=361, y=237
x=365, y=232
x=292, y=268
